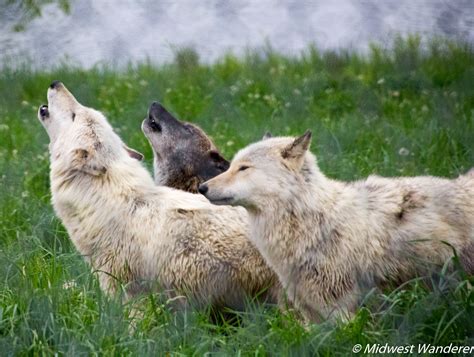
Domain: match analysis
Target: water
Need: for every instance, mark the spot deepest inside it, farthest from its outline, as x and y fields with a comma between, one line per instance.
x=117, y=32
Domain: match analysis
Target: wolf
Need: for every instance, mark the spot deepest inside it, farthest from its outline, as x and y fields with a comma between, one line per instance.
x=138, y=236
x=183, y=155
x=329, y=240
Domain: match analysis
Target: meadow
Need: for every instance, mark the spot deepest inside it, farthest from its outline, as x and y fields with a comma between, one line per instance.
x=406, y=109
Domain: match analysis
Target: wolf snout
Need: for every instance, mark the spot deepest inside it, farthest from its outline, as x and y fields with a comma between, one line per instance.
x=55, y=85
x=156, y=110
x=203, y=188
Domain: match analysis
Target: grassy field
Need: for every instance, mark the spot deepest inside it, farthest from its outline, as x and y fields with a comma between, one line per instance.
x=396, y=111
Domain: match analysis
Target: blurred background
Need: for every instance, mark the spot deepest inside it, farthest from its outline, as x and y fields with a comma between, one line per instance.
x=88, y=32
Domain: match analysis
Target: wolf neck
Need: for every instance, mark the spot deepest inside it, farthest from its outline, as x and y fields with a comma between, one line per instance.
x=92, y=208
x=280, y=229
x=160, y=175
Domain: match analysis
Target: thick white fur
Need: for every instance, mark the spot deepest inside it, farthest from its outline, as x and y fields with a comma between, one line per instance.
x=135, y=233
x=329, y=240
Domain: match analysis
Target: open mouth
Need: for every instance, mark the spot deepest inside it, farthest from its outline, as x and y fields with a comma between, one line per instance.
x=150, y=126
x=44, y=111
x=153, y=125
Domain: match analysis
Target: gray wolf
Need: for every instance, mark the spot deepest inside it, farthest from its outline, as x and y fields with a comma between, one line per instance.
x=183, y=155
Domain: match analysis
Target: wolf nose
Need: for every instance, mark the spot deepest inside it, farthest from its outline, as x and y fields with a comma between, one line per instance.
x=55, y=84
x=203, y=189
x=155, y=105
x=156, y=109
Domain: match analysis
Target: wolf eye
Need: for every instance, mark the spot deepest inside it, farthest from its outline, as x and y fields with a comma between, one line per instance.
x=73, y=116
x=243, y=167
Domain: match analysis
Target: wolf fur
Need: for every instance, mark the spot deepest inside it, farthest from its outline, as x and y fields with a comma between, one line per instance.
x=134, y=233
x=329, y=240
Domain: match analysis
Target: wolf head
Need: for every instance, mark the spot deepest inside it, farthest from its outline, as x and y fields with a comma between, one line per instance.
x=262, y=171
x=80, y=137
x=184, y=156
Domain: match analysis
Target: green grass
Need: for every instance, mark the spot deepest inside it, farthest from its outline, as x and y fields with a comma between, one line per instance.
x=396, y=111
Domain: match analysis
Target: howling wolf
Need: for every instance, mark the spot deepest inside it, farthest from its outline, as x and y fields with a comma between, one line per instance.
x=133, y=232
x=183, y=155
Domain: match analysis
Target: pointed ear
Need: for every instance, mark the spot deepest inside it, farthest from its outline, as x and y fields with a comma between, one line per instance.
x=298, y=147
x=84, y=160
x=267, y=135
x=133, y=153
x=219, y=160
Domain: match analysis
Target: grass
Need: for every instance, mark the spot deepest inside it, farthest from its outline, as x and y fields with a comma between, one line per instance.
x=403, y=110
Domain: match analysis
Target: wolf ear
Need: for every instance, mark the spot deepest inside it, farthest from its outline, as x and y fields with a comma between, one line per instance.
x=298, y=147
x=267, y=135
x=219, y=160
x=133, y=153
x=84, y=160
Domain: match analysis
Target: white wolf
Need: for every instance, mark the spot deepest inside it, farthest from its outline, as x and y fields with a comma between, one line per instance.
x=133, y=232
x=329, y=240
